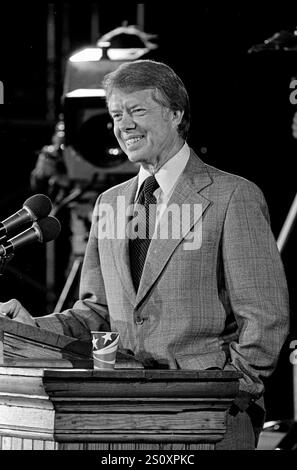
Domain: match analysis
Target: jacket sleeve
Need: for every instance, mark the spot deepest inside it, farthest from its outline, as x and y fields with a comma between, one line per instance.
x=90, y=312
x=256, y=287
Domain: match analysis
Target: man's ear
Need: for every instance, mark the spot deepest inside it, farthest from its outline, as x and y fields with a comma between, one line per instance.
x=177, y=117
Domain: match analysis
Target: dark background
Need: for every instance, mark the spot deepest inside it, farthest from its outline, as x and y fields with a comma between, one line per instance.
x=241, y=114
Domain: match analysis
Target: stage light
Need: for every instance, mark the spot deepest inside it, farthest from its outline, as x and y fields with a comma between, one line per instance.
x=94, y=54
x=89, y=54
x=86, y=92
x=89, y=140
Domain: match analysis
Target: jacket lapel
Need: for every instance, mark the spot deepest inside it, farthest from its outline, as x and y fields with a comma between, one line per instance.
x=194, y=178
x=120, y=244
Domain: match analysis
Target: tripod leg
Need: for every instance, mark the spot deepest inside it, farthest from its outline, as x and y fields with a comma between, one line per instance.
x=70, y=279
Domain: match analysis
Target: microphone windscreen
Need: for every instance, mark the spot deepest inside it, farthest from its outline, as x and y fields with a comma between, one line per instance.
x=50, y=228
x=39, y=204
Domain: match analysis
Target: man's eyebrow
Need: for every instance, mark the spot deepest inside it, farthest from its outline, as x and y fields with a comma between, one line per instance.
x=137, y=105
x=113, y=110
x=128, y=107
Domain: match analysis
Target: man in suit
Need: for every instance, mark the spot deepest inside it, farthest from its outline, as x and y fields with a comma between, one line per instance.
x=172, y=297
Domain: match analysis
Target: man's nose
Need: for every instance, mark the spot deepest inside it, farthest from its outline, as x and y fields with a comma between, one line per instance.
x=127, y=122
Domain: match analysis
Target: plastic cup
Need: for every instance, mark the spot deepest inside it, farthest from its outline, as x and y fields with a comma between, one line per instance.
x=105, y=345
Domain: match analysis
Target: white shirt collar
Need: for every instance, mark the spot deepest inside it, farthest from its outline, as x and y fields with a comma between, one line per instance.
x=169, y=173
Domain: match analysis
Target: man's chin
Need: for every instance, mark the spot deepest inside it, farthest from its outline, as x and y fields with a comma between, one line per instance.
x=135, y=157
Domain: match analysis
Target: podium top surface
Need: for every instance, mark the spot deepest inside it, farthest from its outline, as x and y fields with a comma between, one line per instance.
x=124, y=384
x=125, y=374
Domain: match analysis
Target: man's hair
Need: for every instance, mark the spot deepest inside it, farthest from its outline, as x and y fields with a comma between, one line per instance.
x=169, y=90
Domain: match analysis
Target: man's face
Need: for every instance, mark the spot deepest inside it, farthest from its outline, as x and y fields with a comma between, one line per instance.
x=146, y=131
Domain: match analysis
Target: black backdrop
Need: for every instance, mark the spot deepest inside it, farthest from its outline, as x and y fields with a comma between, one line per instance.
x=241, y=115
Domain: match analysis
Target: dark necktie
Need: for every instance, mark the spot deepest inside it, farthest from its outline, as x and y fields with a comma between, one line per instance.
x=146, y=217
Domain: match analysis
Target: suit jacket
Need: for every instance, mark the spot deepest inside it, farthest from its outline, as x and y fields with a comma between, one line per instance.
x=186, y=296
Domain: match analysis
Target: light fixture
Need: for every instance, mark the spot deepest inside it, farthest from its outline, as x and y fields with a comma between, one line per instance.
x=280, y=41
x=122, y=43
x=86, y=92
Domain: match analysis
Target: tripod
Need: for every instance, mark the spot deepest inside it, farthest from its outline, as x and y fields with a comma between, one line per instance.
x=74, y=196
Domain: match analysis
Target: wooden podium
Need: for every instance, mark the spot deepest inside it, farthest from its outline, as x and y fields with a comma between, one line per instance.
x=57, y=408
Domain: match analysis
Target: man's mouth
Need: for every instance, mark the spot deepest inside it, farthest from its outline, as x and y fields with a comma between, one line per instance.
x=133, y=140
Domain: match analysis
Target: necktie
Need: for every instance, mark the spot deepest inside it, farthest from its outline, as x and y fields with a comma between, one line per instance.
x=146, y=216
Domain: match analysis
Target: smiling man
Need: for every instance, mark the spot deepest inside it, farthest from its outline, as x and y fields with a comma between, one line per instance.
x=146, y=128
x=172, y=305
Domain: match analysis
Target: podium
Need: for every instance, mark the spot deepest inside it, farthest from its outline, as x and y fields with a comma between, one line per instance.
x=59, y=408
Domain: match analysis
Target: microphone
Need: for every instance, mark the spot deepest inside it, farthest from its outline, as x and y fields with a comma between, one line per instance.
x=34, y=208
x=44, y=230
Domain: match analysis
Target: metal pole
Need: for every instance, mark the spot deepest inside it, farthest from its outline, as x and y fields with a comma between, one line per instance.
x=288, y=225
x=51, y=59
x=95, y=33
x=65, y=46
x=140, y=14
x=1, y=93
x=50, y=116
x=69, y=283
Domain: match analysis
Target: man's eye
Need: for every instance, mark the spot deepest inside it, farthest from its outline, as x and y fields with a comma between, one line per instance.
x=138, y=111
x=116, y=116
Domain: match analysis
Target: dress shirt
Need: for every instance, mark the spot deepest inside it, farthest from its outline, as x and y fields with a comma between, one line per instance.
x=167, y=177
